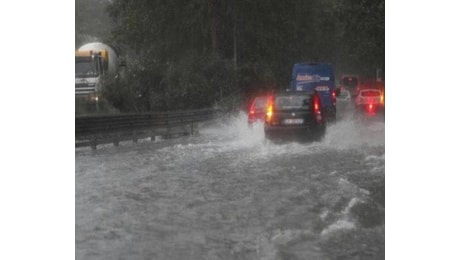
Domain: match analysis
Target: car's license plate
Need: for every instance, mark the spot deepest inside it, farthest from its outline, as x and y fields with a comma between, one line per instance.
x=293, y=121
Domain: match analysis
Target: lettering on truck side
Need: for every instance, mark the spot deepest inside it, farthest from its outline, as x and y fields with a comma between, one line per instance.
x=322, y=88
x=310, y=78
x=305, y=78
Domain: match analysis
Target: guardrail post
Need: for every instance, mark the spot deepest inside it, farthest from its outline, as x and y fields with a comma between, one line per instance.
x=192, y=129
x=152, y=136
x=197, y=128
x=116, y=140
x=134, y=137
x=94, y=143
x=168, y=127
x=168, y=132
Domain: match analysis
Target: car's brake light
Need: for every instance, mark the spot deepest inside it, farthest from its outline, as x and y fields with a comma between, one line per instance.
x=252, y=111
x=370, y=108
x=334, y=97
x=252, y=114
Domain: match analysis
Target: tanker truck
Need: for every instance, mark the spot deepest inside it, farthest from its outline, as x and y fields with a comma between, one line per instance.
x=92, y=62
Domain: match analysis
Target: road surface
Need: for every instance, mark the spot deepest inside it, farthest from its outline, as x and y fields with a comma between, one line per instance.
x=229, y=194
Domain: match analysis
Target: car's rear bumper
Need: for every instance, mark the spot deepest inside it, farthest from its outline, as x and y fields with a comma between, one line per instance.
x=257, y=117
x=253, y=121
x=293, y=131
x=366, y=106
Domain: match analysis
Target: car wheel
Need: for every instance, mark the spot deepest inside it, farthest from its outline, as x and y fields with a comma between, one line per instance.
x=268, y=136
x=319, y=134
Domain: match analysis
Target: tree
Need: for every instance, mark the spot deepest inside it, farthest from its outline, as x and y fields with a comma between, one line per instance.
x=92, y=22
x=172, y=45
x=364, y=34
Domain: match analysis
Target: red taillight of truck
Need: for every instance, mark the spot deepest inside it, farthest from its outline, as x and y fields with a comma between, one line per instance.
x=317, y=109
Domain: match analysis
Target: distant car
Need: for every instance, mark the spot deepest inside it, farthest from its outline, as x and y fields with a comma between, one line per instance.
x=343, y=100
x=350, y=83
x=343, y=96
x=294, y=114
x=257, y=110
x=370, y=100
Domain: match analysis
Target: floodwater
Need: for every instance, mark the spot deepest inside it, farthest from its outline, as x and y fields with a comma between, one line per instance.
x=227, y=193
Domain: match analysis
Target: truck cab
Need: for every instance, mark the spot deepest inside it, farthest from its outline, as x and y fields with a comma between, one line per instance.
x=89, y=68
x=93, y=61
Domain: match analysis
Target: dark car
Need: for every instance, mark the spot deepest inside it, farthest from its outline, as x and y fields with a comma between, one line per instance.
x=350, y=83
x=294, y=114
x=257, y=110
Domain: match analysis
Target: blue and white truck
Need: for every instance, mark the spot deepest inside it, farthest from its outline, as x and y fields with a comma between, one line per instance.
x=317, y=77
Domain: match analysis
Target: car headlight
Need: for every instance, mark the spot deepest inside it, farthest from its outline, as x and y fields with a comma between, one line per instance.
x=94, y=98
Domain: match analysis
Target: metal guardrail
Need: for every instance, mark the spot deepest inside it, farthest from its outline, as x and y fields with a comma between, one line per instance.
x=94, y=130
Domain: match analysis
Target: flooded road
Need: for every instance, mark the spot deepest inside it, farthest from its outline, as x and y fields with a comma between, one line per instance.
x=229, y=194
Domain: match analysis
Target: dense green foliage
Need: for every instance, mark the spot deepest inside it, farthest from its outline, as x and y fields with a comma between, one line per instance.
x=196, y=53
x=92, y=21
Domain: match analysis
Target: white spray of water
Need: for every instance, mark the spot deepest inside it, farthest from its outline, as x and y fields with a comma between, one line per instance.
x=352, y=133
x=347, y=132
x=340, y=224
x=232, y=134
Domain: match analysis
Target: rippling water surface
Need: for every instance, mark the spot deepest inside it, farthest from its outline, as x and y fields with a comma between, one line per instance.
x=229, y=194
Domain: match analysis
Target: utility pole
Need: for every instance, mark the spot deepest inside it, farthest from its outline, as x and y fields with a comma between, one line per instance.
x=234, y=36
x=378, y=75
x=212, y=7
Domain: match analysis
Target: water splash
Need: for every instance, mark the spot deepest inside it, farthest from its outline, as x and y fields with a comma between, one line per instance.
x=232, y=133
x=350, y=132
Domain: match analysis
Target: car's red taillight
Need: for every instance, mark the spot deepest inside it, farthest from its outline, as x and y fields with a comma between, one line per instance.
x=252, y=114
x=370, y=108
x=315, y=104
x=334, y=97
x=252, y=111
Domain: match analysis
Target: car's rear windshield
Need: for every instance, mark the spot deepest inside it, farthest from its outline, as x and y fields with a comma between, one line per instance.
x=344, y=93
x=370, y=93
x=285, y=102
x=260, y=103
x=350, y=81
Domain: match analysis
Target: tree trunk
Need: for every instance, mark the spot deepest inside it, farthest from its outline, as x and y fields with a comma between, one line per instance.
x=212, y=6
